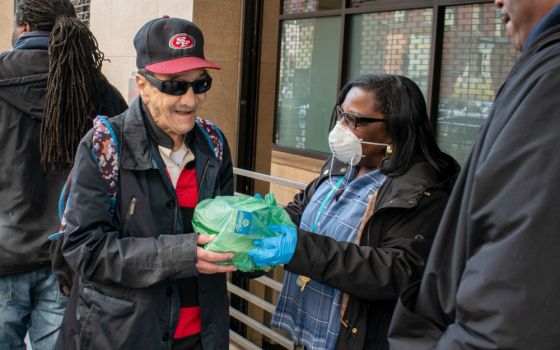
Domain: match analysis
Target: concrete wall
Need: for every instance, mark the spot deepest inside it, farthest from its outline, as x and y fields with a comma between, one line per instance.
x=115, y=22
x=221, y=23
x=6, y=24
x=267, y=90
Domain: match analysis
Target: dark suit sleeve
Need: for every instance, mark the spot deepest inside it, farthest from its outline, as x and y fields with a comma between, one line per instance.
x=491, y=280
x=507, y=296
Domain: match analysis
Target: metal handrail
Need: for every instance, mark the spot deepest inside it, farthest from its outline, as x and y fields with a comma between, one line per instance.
x=269, y=282
x=241, y=317
x=269, y=178
x=266, y=281
x=263, y=304
x=239, y=340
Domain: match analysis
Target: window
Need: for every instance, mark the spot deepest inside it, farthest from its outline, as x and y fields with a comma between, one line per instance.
x=326, y=43
x=82, y=10
x=307, y=82
x=476, y=59
x=396, y=42
x=302, y=6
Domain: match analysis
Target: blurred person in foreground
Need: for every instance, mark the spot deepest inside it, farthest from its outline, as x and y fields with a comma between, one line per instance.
x=491, y=280
x=366, y=223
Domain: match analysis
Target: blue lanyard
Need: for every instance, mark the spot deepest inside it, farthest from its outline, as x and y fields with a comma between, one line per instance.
x=323, y=205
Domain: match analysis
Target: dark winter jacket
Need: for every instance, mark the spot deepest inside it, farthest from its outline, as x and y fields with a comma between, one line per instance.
x=28, y=194
x=127, y=295
x=492, y=278
x=394, y=245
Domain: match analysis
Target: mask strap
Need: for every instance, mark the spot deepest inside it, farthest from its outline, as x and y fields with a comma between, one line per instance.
x=347, y=176
x=330, y=172
x=374, y=143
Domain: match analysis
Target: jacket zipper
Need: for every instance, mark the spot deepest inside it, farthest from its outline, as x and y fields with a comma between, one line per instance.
x=367, y=234
x=170, y=318
x=174, y=217
x=129, y=213
x=202, y=179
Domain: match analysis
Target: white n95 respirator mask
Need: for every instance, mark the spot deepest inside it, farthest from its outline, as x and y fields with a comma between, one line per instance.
x=346, y=146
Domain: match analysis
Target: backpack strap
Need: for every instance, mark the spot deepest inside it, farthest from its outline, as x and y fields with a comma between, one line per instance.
x=105, y=151
x=213, y=136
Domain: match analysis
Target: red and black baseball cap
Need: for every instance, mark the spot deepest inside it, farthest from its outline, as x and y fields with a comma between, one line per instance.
x=170, y=46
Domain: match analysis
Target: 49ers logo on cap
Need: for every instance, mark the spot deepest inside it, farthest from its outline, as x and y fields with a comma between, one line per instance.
x=181, y=41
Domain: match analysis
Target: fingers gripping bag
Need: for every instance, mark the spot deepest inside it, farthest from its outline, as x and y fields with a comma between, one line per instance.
x=237, y=221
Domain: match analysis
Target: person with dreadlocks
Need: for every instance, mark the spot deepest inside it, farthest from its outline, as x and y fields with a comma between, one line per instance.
x=51, y=86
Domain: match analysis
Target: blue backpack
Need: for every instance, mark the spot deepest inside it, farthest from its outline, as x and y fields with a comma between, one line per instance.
x=106, y=153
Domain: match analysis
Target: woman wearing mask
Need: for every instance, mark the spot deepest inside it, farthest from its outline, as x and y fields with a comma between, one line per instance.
x=366, y=224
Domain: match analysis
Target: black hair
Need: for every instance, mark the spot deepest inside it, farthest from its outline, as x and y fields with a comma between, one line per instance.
x=74, y=77
x=400, y=100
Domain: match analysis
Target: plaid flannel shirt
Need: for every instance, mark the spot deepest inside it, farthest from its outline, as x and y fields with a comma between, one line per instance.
x=312, y=317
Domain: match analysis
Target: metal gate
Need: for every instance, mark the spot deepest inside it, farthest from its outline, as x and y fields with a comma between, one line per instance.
x=265, y=281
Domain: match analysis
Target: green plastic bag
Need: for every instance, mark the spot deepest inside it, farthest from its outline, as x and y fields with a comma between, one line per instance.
x=237, y=221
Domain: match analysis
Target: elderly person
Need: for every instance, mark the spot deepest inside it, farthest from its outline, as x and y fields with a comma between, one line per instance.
x=366, y=223
x=144, y=283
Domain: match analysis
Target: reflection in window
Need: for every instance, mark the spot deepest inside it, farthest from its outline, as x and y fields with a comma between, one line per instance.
x=395, y=42
x=477, y=56
x=307, y=83
x=304, y=6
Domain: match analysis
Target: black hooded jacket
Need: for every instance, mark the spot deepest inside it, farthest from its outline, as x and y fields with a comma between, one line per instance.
x=28, y=194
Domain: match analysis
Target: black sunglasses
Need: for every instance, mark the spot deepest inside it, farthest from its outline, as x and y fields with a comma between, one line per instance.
x=355, y=120
x=180, y=87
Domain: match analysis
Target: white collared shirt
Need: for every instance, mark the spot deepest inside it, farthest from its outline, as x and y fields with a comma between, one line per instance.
x=175, y=161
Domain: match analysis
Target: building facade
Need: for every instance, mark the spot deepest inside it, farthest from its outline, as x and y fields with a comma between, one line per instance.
x=284, y=61
x=456, y=51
